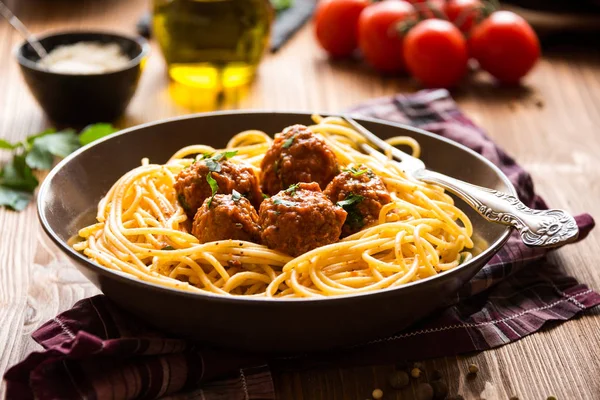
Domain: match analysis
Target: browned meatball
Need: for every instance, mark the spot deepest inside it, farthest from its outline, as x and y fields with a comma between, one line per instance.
x=297, y=155
x=193, y=188
x=362, y=194
x=227, y=217
x=300, y=219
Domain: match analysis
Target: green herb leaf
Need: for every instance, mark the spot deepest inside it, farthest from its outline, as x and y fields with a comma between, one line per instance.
x=183, y=202
x=203, y=156
x=288, y=142
x=229, y=154
x=94, y=132
x=280, y=5
x=292, y=189
x=284, y=202
x=14, y=199
x=30, y=139
x=168, y=248
x=18, y=175
x=351, y=199
x=5, y=144
x=214, y=187
x=357, y=171
x=213, y=162
x=44, y=148
x=236, y=195
x=265, y=196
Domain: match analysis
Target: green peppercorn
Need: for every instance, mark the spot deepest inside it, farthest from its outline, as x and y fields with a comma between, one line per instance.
x=399, y=379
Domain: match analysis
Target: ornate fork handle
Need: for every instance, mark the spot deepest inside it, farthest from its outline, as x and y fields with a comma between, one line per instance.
x=540, y=228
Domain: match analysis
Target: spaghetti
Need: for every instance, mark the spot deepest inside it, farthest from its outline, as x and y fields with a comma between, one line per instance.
x=141, y=231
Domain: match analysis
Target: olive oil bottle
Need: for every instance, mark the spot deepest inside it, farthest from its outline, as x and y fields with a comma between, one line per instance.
x=213, y=45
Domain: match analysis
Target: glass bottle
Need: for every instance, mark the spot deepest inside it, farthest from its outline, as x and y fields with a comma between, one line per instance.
x=212, y=44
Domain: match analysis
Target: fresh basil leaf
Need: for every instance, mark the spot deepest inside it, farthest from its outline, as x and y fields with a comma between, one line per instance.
x=214, y=187
x=351, y=199
x=236, y=195
x=14, y=199
x=288, y=142
x=18, y=175
x=284, y=202
x=354, y=219
x=5, y=144
x=94, y=132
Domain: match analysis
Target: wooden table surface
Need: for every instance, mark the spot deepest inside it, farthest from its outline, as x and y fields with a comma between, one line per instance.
x=551, y=125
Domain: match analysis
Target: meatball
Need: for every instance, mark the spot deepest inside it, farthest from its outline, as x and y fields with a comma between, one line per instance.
x=300, y=219
x=297, y=155
x=192, y=187
x=225, y=217
x=362, y=194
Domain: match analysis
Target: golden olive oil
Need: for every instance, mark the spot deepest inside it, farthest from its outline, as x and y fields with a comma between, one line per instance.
x=212, y=45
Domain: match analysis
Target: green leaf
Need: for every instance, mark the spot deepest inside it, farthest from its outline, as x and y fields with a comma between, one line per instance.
x=184, y=204
x=351, y=199
x=357, y=171
x=168, y=248
x=265, y=196
x=5, y=144
x=235, y=195
x=14, y=199
x=229, y=154
x=214, y=187
x=288, y=142
x=213, y=165
x=94, y=132
x=31, y=138
x=18, y=175
x=292, y=189
x=284, y=202
x=280, y=5
x=44, y=148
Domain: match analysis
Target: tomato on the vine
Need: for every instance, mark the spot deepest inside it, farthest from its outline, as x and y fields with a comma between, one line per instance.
x=505, y=46
x=436, y=53
x=379, y=36
x=336, y=25
x=429, y=8
x=463, y=13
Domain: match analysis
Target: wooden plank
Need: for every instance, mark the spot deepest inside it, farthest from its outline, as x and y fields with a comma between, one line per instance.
x=550, y=126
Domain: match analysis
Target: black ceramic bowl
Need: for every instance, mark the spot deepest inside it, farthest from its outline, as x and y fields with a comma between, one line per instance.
x=81, y=99
x=68, y=198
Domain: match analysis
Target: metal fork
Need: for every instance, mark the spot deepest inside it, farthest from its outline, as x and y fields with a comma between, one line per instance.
x=539, y=228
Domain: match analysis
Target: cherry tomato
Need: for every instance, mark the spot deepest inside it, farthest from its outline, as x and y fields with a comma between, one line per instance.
x=336, y=25
x=379, y=38
x=505, y=46
x=436, y=53
x=463, y=13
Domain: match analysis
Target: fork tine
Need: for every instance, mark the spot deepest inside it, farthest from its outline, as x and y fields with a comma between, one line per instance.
x=378, y=142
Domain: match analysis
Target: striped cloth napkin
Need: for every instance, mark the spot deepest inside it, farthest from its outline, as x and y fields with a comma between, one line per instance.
x=96, y=350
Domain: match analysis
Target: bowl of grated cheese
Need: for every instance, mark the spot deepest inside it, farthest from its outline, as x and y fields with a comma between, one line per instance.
x=86, y=77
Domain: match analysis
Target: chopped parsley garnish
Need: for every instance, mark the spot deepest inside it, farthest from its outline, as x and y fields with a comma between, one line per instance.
x=292, y=189
x=356, y=171
x=265, y=196
x=212, y=162
x=184, y=204
x=284, y=202
x=236, y=196
x=168, y=248
x=214, y=187
x=288, y=142
x=354, y=219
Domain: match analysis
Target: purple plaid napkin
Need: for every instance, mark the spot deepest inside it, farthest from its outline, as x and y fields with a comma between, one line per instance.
x=96, y=350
